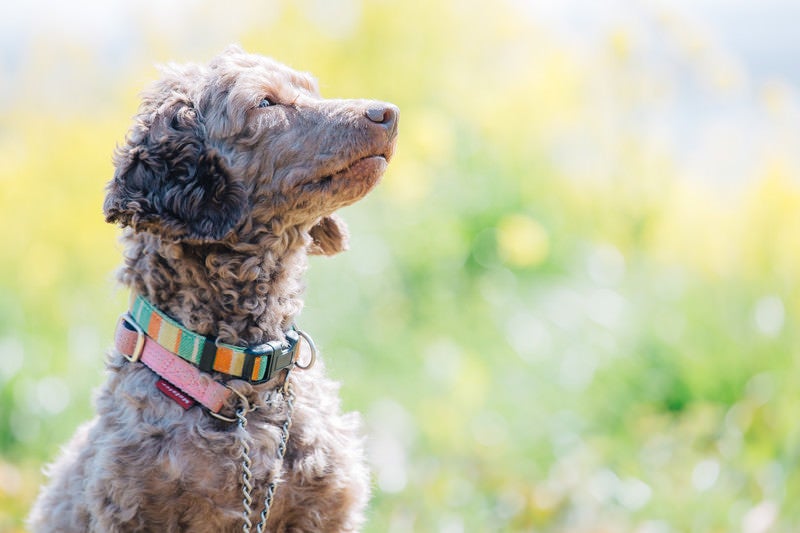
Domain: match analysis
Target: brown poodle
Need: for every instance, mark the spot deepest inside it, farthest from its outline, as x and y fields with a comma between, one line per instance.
x=229, y=178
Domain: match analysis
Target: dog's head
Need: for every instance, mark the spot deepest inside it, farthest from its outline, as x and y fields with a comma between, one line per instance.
x=247, y=142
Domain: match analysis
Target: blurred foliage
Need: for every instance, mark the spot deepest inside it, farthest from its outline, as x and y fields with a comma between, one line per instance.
x=557, y=313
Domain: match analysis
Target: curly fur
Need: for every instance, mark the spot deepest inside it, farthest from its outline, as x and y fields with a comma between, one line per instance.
x=222, y=200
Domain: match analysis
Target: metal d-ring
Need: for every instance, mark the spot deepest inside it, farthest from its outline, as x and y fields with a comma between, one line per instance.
x=244, y=409
x=311, y=345
x=128, y=319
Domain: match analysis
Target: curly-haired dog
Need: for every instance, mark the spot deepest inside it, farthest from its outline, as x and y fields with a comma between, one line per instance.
x=228, y=179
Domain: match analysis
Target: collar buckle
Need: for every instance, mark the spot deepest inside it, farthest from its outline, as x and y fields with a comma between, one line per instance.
x=275, y=355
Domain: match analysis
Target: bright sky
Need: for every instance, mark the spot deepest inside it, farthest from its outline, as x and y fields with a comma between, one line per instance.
x=761, y=33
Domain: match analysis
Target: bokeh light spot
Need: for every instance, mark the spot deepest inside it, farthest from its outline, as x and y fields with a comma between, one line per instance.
x=522, y=241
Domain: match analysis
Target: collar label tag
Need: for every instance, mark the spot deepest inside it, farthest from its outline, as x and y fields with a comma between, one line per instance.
x=175, y=394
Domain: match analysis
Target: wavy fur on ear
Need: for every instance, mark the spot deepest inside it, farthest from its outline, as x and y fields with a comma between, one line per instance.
x=329, y=236
x=169, y=182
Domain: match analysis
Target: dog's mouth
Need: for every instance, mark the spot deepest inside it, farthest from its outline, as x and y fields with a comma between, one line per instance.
x=364, y=171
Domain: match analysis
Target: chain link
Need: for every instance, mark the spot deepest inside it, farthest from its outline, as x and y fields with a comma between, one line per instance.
x=247, y=474
x=289, y=395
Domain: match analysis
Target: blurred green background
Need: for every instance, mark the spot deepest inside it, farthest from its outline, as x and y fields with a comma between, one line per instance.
x=571, y=306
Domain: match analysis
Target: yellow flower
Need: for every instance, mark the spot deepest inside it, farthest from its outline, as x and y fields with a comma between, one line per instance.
x=522, y=241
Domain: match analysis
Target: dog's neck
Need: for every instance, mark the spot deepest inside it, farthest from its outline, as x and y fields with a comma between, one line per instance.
x=244, y=293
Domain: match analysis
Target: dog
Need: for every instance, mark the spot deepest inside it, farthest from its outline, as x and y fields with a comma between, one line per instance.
x=212, y=418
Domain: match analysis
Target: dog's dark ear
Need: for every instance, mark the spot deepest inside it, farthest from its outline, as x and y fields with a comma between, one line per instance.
x=329, y=236
x=167, y=181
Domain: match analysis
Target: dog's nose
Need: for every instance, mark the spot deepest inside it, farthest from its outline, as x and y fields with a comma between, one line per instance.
x=384, y=114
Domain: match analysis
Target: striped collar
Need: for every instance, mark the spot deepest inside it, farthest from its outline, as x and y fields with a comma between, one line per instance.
x=256, y=364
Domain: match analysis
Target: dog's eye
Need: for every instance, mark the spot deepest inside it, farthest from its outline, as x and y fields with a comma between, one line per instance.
x=266, y=102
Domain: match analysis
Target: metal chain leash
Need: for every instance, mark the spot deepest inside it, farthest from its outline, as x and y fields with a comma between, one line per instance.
x=247, y=474
x=289, y=395
x=247, y=463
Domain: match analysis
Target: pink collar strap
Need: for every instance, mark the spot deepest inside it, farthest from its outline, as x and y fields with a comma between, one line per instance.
x=135, y=345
